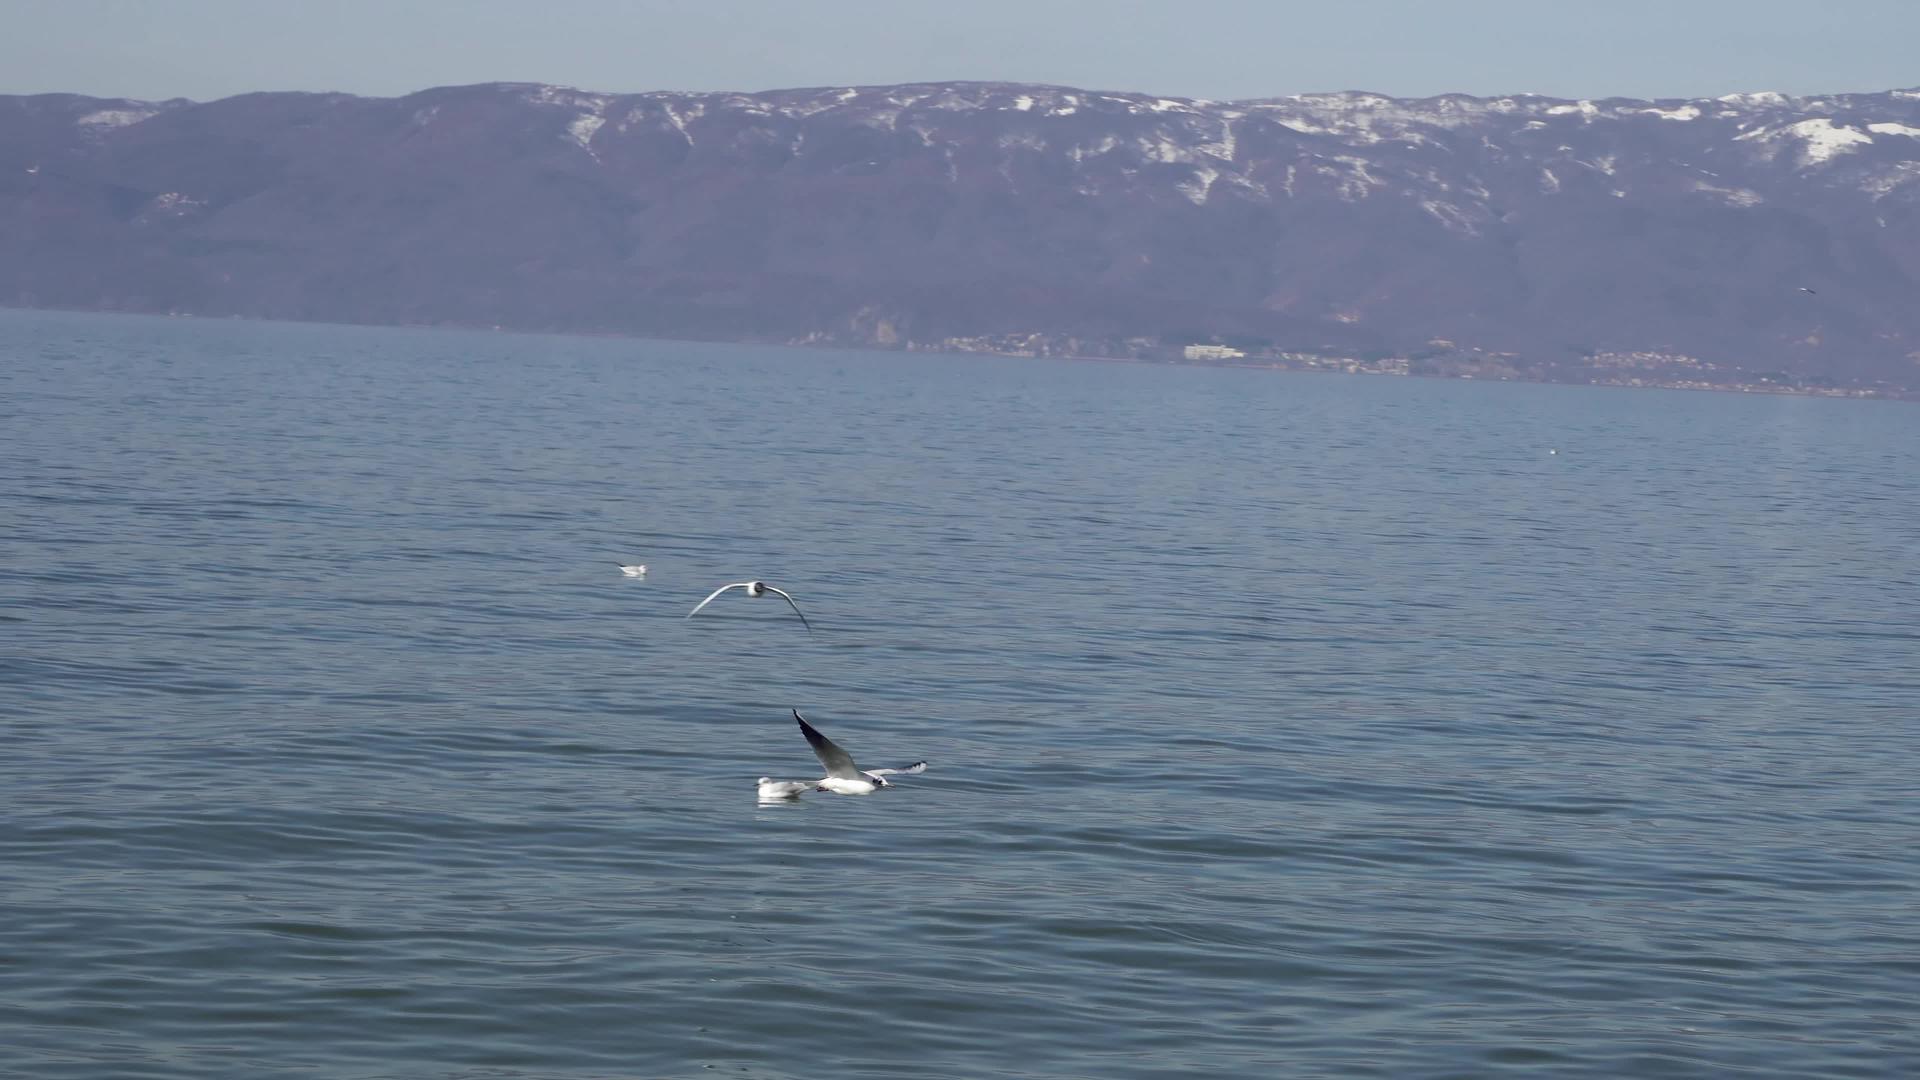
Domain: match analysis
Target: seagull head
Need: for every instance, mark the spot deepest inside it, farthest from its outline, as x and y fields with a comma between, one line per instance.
x=756, y=588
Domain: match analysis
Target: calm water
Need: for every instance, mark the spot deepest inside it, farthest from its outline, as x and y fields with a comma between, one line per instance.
x=1279, y=725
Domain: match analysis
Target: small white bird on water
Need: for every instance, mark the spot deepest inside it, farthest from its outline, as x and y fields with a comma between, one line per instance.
x=636, y=570
x=754, y=588
x=772, y=790
x=843, y=776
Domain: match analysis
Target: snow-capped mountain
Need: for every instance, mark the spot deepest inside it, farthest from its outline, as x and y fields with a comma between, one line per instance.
x=1754, y=232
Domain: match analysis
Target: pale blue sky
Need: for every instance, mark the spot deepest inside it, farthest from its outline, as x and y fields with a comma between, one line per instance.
x=205, y=49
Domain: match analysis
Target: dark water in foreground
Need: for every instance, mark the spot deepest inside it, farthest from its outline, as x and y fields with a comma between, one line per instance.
x=1280, y=725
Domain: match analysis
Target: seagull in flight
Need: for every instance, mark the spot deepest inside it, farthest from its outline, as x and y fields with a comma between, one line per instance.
x=754, y=588
x=1808, y=291
x=843, y=776
x=636, y=570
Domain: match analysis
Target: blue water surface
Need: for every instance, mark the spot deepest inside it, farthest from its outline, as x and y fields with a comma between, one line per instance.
x=1279, y=725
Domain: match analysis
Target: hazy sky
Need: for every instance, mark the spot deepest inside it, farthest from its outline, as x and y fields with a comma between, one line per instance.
x=205, y=49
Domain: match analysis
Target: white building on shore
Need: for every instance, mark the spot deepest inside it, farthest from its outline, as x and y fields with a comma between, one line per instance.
x=1214, y=352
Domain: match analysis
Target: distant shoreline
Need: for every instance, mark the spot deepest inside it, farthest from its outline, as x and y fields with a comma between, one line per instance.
x=1249, y=364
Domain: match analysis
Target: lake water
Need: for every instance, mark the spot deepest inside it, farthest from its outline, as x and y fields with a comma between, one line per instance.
x=1280, y=725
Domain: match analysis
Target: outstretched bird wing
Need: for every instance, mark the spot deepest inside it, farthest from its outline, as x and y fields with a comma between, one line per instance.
x=918, y=766
x=839, y=763
x=794, y=606
x=717, y=592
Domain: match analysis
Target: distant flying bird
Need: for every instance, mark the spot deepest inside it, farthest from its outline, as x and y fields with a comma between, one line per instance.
x=754, y=588
x=637, y=570
x=1808, y=291
x=843, y=776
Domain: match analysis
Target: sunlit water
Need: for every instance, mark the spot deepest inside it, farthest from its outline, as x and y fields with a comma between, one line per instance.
x=1279, y=725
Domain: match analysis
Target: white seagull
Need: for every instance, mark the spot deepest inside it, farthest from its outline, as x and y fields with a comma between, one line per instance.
x=754, y=588
x=843, y=776
x=637, y=570
x=772, y=790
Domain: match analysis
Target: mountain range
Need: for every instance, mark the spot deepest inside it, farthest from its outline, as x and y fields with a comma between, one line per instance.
x=1753, y=240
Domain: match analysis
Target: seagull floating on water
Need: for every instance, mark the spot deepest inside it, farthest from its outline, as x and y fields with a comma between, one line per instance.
x=771, y=789
x=754, y=588
x=843, y=776
x=636, y=570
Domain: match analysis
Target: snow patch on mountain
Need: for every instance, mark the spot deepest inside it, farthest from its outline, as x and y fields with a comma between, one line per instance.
x=1825, y=139
x=1741, y=197
x=1451, y=217
x=819, y=103
x=679, y=121
x=1818, y=139
x=1900, y=175
x=1223, y=146
x=175, y=204
x=1163, y=149
x=1361, y=134
x=116, y=118
x=1354, y=180
x=1763, y=98
x=1585, y=110
x=582, y=128
x=1200, y=185
x=1079, y=152
x=567, y=96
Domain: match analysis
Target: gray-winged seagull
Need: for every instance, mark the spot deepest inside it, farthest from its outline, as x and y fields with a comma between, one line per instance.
x=843, y=776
